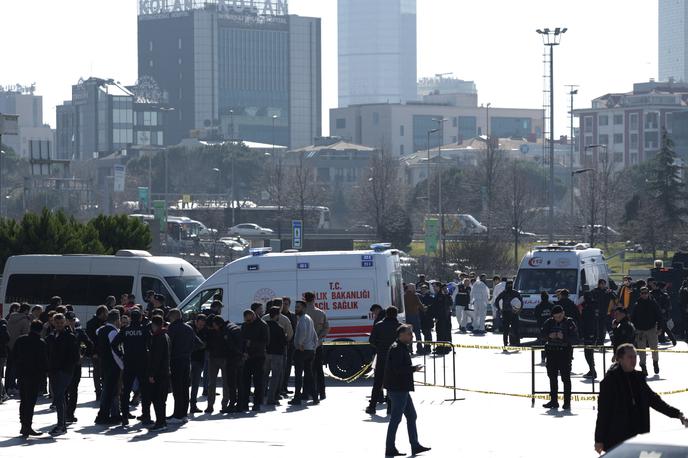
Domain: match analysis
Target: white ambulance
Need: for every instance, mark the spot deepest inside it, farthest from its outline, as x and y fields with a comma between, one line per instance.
x=345, y=283
x=575, y=267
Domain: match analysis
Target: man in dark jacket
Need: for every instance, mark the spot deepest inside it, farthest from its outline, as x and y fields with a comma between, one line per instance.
x=30, y=353
x=646, y=317
x=441, y=311
x=602, y=296
x=510, y=320
x=381, y=338
x=398, y=381
x=623, y=405
x=85, y=349
x=63, y=356
x=623, y=330
x=217, y=361
x=134, y=340
x=661, y=297
x=559, y=334
x=683, y=304
x=4, y=352
x=462, y=301
x=111, y=364
x=426, y=322
x=182, y=343
x=234, y=344
x=200, y=327
x=570, y=309
x=255, y=334
x=158, y=371
x=588, y=331
x=92, y=327
x=276, y=349
x=289, y=360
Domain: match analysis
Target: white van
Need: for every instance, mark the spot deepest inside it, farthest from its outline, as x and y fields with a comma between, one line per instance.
x=345, y=283
x=84, y=281
x=549, y=268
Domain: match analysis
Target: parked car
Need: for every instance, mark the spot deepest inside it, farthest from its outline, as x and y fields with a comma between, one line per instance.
x=234, y=243
x=249, y=230
x=668, y=444
x=361, y=228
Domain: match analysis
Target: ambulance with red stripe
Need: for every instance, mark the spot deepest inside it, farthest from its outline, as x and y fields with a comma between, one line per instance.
x=345, y=284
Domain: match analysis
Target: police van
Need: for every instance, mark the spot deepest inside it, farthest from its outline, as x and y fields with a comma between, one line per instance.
x=84, y=281
x=575, y=267
x=345, y=284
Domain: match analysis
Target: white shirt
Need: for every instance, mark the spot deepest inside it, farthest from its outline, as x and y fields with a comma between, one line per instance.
x=497, y=290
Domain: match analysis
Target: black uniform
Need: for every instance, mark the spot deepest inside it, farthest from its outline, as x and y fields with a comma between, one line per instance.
x=441, y=311
x=622, y=332
x=664, y=302
x=92, y=327
x=30, y=354
x=134, y=340
x=111, y=362
x=85, y=349
x=256, y=339
x=510, y=321
x=683, y=303
x=234, y=344
x=426, y=322
x=570, y=310
x=182, y=342
x=290, y=353
x=559, y=352
x=588, y=332
x=63, y=356
x=381, y=338
x=158, y=368
x=602, y=298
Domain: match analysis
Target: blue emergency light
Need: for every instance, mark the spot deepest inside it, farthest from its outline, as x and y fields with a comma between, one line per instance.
x=380, y=247
x=260, y=251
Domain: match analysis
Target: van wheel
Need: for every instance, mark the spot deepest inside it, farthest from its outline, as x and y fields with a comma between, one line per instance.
x=344, y=362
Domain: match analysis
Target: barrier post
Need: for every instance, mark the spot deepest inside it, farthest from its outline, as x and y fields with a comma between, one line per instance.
x=425, y=367
x=532, y=376
x=454, y=369
x=444, y=366
x=434, y=365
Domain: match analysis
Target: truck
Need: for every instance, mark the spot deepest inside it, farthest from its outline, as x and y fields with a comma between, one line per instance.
x=345, y=283
x=572, y=266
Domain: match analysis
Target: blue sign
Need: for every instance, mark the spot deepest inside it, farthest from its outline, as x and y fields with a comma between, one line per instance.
x=297, y=234
x=366, y=263
x=302, y=265
x=252, y=267
x=367, y=257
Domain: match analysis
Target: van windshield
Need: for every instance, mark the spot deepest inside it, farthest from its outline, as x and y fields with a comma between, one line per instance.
x=183, y=286
x=532, y=281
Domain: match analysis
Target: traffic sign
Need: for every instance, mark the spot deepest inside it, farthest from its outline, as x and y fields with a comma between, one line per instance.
x=297, y=234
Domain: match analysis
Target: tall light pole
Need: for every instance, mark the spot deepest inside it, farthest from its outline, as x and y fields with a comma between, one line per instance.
x=440, y=126
x=279, y=178
x=605, y=191
x=430, y=132
x=572, y=92
x=487, y=121
x=551, y=38
x=573, y=174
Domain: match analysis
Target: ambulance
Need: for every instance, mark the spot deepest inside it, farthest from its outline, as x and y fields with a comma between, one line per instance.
x=345, y=284
x=576, y=267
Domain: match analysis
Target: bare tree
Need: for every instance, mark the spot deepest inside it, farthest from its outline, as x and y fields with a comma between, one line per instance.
x=302, y=188
x=380, y=188
x=275, y=187
x=523, y=193
x=490, y=168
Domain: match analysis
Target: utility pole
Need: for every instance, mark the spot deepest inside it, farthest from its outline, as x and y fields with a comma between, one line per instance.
x=440, y=126
x=572, y=92
x=551, y=38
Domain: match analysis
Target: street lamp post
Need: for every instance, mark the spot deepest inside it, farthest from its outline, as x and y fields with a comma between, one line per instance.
x=573, y=174
x=605, y=191
x=551, y=38
x=430, y=132
x=279, y=172
x=572, y=92
x=440, y=126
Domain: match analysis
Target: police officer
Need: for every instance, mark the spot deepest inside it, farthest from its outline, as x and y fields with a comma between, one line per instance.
x=661, y=297
x=570, y=309
x=510, y=321
x=623, y=330
x=441, y=311
x=683, y=304
x=31, y=355
x=543, y=312
x=85, y=349
x=134, y=340
x=560, y=334
x=603, y=297
x=588, y=331
x=381, y=338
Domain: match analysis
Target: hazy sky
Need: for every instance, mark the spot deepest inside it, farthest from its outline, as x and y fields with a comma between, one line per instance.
x=610, y=44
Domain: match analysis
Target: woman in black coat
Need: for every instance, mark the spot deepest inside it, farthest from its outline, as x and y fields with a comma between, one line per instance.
x=624, y=402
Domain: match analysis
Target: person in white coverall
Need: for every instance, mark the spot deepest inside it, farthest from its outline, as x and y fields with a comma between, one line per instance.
x=480, y=297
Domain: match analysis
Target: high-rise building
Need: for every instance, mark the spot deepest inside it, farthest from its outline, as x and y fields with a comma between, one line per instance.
x=673, y=40
x=377, y=51
x=23, y=101
x=234, y=69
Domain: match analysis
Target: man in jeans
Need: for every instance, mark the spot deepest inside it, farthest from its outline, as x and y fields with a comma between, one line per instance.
x=182, y=343
x=217, y=361
x=646, y=316
x=255, y=339
x=197, y=360
x=399, y=383
x=322, y=328
x=305, y=343
x=274, y=363
x=63, y=355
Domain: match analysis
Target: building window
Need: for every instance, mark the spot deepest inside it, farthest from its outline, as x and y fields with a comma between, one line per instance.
x=150, y=63
x=588, y=140
x=634, y=158
x=633, y=121
x=634, y=141
x=667, y=122
x=603, y=139
x=651, y=140
x=618, y=138
x=150, y=46
x=618, y=157
x=376, y=118
x=603, y=120
x=340, y=123
x=181, y=76
x=455, y=122
x=180, y=93
x=588, y=123
x=618, y=119
x=401, y=131
x=179, y=44
x=401, y=150
x=179, y=61
x=652, y=120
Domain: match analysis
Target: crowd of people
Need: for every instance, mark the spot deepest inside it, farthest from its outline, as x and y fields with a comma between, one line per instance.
x=141, y=353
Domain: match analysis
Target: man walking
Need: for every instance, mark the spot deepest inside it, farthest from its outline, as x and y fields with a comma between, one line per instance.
x=646, y=317
x=276, y=349
x=92, y=326
x=31, y=355
x=322, y=328
x=305, y=343
x=413, y=308
x=217, y=361
x=623, y=330
x=559, y=334
x=497, y=288
x=480, y=296
x=85, y=348
x=235, y=364
x=381, y=338
x=441, y=310
x=399, y=383
x=63, y=356
x=18, y=324
x=289, y=360
x=158, y=371
x=509, y=304
x=623, y=405
x=462, y=302
x=182, y=342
